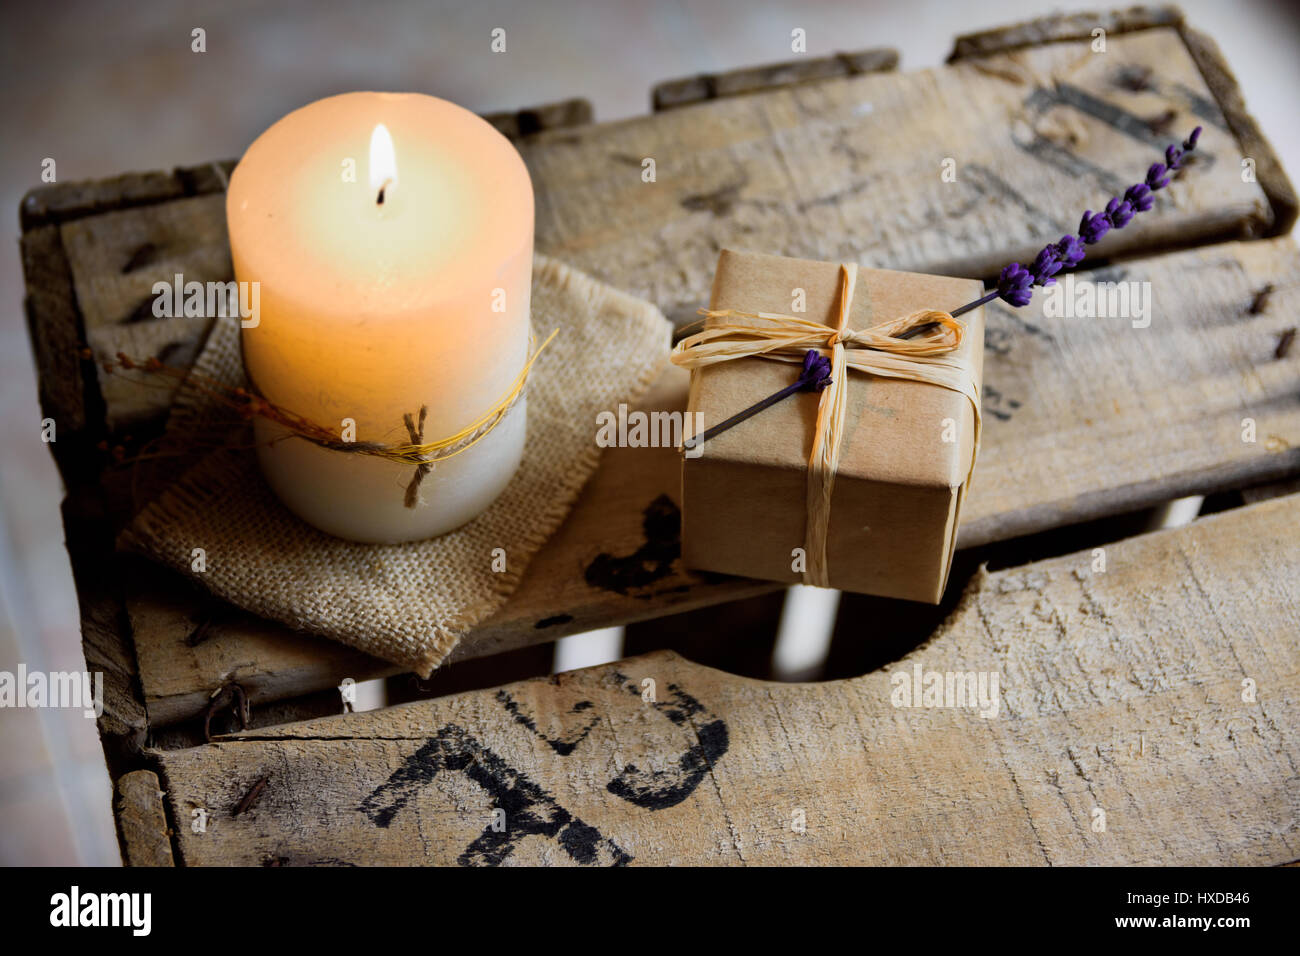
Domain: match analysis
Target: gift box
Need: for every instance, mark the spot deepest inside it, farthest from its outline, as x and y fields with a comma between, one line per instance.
x=906, y=447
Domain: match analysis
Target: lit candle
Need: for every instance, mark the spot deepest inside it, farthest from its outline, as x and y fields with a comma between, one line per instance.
x=392, y=235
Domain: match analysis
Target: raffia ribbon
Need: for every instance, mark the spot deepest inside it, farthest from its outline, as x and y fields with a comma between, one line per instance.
x=877, y=350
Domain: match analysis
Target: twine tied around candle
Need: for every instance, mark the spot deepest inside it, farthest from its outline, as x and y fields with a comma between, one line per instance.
x=249, y=402
x=880, y=350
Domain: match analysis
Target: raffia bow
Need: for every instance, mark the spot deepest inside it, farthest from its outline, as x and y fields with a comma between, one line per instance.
x=878, y=350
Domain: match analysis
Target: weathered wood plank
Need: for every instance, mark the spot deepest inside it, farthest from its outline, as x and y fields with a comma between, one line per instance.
x=141, y=821
x=1218, y=77
x=1083, y=418
x=55, y=332
x=1063, y=27
x=1146, y=714
x=117, y=258
x=566, y=114
x=690, y=90
x=1254, y=144
x=852, y=169
x=1091, y=417
x=61, y=202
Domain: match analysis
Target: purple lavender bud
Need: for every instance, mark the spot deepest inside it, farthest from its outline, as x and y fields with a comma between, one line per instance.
x=1015, y=285
x=816, y=373
x=1189, y=144
x=1092, y=228
x=1046, y=265
x=1139, y=197
x=1173, y=157
x=1156, y=177
x=1071, y=251
x=1119, y=212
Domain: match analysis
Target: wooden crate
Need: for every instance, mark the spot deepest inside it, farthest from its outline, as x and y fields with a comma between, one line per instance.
x=1124, y=688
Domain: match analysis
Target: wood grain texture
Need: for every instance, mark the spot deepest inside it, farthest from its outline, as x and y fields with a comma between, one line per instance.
x=1126, y=691
x=54, y=327
x=1254, y=144
x=690, y=90
x=1218, y=77
x=1063, y=27
x=1088, y=417
x=117, y=258
x=566, y=114
x=851, y=169
x=1083, y=418
x=141, y=821
x=61, y=202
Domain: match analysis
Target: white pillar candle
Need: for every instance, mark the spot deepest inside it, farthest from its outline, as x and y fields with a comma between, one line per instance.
x=392, y=236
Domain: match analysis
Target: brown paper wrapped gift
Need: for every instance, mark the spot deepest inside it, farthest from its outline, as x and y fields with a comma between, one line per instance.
x=906, y=451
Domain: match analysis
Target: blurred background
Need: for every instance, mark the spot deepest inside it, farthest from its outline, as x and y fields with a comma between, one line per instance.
x=110, y=88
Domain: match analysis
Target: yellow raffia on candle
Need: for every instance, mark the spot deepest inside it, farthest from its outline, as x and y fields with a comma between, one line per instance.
x=247, y=402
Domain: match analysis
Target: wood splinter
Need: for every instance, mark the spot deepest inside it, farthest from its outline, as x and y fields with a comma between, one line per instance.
x=250, y=798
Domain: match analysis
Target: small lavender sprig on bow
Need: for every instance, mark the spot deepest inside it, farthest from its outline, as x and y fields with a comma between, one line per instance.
x=1016, y=283
x=815, y=376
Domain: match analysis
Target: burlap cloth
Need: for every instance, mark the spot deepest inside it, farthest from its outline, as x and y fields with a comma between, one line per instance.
x=406, y=603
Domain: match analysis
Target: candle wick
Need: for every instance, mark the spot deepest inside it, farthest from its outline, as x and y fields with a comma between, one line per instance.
x=380, y=200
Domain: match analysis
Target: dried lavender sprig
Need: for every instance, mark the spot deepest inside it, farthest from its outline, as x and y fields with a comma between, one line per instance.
x=815, y=376
x=1016, y=283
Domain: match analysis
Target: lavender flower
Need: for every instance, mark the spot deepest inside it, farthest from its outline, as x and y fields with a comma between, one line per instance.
x=1071, y=251
x=1139, y=196
x=1046, y=266
x=1092, y=228
x=1156, y=177
x=1119, y=212
x=816, y=373
x=1015, y=283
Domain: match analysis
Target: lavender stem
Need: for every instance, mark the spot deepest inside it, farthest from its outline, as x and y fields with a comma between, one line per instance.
x=815, y=376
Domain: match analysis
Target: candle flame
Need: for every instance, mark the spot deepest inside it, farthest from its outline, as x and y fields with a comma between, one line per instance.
x=383, y=162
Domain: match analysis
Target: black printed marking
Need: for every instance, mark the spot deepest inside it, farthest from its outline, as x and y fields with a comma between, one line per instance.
x=143, y=312
x=529, y=810
x=1116, y=117
x=659, y=789
x=1136, y=127
x=562, y=745
x=142, y=256
x=1050, y=154
x=998, y=405
x=719, y=201
x=653, y=561
x=989, y=185
x=1203, y=108
x=1005, y=313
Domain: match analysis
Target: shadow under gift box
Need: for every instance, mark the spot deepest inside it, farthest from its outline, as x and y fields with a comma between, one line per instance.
x=899, y=486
